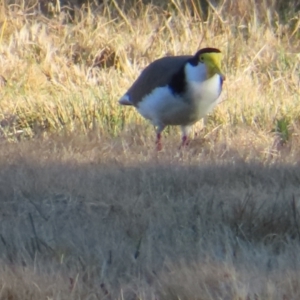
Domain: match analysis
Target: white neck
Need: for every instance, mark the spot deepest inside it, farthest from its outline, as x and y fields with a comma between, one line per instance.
x=195, y=73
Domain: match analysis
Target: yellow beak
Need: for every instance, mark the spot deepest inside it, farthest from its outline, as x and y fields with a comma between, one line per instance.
x=214, y=65
x=217, y=70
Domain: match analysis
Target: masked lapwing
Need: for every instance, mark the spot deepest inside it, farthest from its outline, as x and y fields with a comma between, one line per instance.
x=177, y=90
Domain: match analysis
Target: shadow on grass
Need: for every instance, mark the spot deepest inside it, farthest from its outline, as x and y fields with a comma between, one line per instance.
x=165, y=230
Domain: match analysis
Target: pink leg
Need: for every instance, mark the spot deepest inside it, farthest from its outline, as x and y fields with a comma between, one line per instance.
x=185, y=132
x=184, y=141
x=158, y=142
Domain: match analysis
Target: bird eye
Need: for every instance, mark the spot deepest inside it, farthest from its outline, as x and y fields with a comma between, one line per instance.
x=201, y=58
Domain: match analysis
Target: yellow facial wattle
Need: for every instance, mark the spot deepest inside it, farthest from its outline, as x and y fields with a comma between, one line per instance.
x=213, y=64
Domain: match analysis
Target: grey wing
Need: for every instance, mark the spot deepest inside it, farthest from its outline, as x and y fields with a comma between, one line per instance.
x=157, y=74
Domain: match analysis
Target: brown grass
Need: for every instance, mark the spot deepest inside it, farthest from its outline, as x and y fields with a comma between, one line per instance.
x=82, y=221
x=89, y=210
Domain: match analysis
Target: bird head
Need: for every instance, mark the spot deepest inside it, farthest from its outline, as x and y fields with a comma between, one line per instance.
x=212, y=58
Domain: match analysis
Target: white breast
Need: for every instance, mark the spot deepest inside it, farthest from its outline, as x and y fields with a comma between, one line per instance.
x=203, y=93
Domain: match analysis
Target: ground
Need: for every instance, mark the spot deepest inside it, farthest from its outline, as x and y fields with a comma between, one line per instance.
x=90, y=210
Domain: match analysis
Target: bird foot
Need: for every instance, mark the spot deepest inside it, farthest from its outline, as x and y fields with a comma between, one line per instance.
x=184, y=142
x=158, y=142
x=158, y=146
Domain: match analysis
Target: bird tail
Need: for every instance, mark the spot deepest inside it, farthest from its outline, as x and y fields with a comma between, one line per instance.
x=125, y=100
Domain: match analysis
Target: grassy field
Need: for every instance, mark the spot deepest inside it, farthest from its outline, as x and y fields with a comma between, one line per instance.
x=89, y=210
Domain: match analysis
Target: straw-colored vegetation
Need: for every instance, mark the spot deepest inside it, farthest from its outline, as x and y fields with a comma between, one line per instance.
x=67, y=76
x=89, y=210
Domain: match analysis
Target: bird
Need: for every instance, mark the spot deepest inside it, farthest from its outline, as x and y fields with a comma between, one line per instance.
x=177, y=91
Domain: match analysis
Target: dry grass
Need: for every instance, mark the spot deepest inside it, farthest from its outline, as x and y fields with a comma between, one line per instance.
x=89, y=210
x=64, y=77
x=79, y=223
